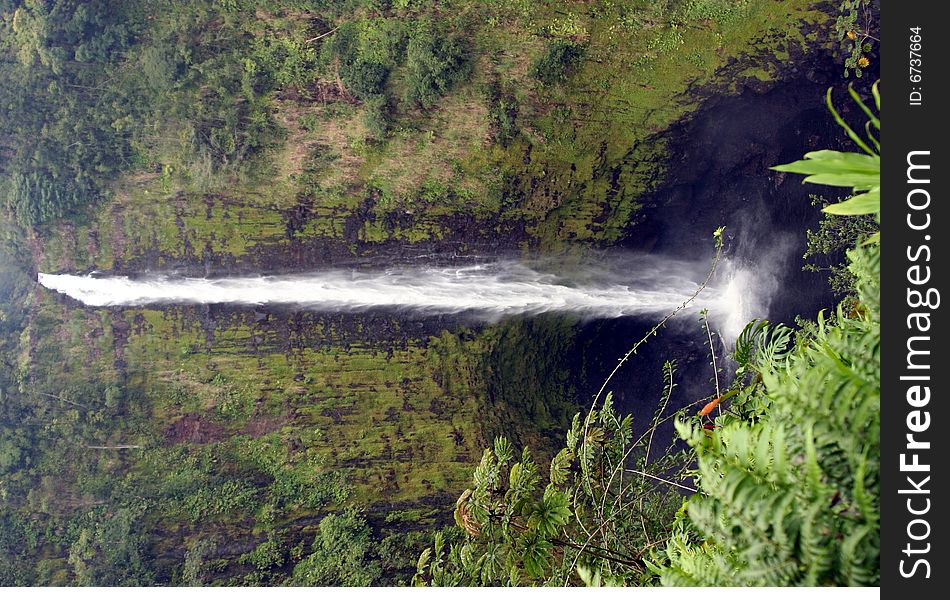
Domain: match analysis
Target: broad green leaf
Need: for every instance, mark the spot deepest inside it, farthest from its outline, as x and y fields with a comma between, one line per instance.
x=503, y=450
x=424, y=559
x=514, y=477
x=560, y=466
x=829, y=161
x=858, y=161
x=858, y=181
x=550, y=513
x=843, y=169
x=862, y=204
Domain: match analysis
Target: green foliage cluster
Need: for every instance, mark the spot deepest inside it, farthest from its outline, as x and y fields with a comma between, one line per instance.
x=595, y=515
x=58, y=142
x=558, y=62
x=294, y=481
x=503, y=109
x=109, y=549
x=363, y=72
x=233, y=402
x=435, y=61
x=90, y=90
x=34, y=198
x=283, y=61
x=343, y=554
x=721, y=11
x=835, y=235
x=213, y=75
x=227, y=498
x=855, y=26
x=790, y=473
x=18, y=542
x=364, y=53
x=266, y=557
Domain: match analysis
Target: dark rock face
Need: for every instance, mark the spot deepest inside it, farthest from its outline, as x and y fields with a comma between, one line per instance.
x=719, y=175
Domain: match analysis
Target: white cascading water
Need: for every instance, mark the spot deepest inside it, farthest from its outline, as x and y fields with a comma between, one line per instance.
x=488, y=290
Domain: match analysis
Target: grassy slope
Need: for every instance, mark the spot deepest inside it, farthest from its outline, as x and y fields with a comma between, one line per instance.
x=401, y=419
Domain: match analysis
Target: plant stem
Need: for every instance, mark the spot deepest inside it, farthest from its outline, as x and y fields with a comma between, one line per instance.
x=666, y=481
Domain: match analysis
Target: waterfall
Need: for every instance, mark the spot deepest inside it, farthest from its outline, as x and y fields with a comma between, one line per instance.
x=642, y=286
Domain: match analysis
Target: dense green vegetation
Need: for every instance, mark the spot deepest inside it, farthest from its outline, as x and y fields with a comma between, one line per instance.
x=190, y=446
x=789, y=478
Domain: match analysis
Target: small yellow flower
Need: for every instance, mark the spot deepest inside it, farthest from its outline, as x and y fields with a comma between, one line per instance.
x=850, y=35
x=863, y=62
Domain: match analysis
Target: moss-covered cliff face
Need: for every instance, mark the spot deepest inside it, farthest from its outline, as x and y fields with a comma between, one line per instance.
x=212, y=440
x=510, y=156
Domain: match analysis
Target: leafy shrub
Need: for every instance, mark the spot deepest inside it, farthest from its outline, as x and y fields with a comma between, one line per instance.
x=342, y=554
x=855, y=29
x=267, y=555
x=221, y=500
x=365, y=79
x=283, y=60
x=435, y=61
x=560, y=60
x=503, y=112
x=363, y=74
x=343, y=45
x=36, y=198
x=110, y=549
x=521, y=531
x=376, y=116
x=835, y=235
x=383, y=41
x=10, y=453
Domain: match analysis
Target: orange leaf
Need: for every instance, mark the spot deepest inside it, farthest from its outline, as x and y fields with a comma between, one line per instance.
x=708, y=408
